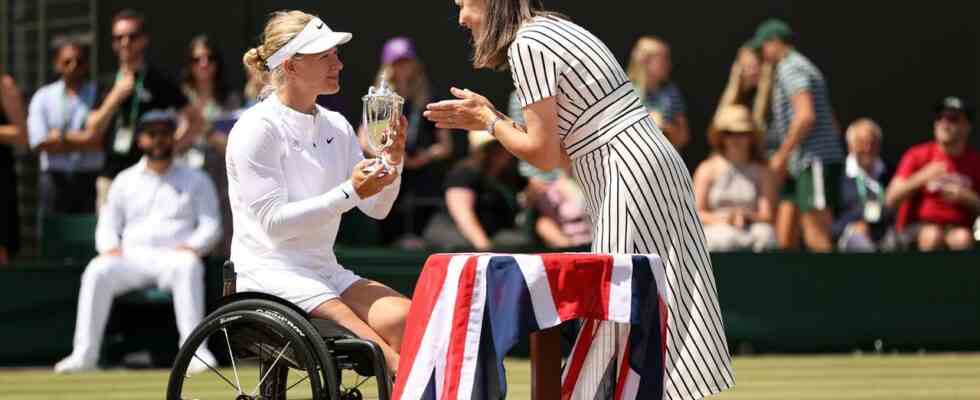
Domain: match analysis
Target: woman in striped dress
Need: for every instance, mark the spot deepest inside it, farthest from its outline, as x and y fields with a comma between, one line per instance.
x=581, y=111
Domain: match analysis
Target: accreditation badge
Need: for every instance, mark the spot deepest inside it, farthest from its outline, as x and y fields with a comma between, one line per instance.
x=124, y=140
x=872, y=211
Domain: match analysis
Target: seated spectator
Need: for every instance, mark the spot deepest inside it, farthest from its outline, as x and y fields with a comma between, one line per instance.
x=749, y=84
x=649, y=70
x=13, y=133
x=935, y=186
x=734, y=191
x=862, y=219
x=481, y=198
x=562, y=219
x=71, y=158
x=159, y=220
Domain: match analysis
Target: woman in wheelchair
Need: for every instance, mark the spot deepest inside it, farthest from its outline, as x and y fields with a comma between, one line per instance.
x=293, y=169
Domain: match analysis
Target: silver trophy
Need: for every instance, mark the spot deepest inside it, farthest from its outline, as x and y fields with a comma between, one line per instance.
x=382, y=110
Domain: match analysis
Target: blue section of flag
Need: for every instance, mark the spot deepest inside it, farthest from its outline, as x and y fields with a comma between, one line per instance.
x=646, y=357
x=509, y=311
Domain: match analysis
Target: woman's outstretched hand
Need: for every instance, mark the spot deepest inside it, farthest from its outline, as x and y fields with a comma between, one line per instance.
x=470, y=111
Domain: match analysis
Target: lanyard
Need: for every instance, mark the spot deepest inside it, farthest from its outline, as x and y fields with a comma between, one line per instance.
x=134, y=108
x=863, y=187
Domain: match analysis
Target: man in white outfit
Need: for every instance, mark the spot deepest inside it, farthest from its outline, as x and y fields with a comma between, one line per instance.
x=158, y=221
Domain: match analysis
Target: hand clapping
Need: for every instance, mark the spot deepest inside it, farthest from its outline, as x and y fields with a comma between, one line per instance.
x=470, y=112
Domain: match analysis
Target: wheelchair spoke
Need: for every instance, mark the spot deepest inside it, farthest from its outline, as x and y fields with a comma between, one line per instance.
x=215, y=371
x=271, y=367
x=233, y=366
x=294, y=384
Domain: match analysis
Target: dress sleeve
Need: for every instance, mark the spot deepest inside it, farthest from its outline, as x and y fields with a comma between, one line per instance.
x=535, y=70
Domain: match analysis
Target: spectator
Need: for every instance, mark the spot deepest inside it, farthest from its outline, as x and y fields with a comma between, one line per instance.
x=862, y=218
x=203, y=82
x=13, y=133
x=733, y=190
x=481, y=197
x=427, y=148
x=750, y=85
x=118, y=110
x=935, y=186
x=650, y=69
x=71, y=158
x=158, y=222
x=808, y=157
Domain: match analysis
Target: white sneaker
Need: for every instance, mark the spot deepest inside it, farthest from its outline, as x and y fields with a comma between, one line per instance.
x=201, y=362
x=73, y=365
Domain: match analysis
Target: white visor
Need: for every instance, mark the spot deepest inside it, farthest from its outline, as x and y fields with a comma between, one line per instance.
x=316, y=37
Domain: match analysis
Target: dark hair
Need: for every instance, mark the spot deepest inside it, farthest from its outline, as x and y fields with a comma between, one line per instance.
x=187, y=79
x=62, y=44
x=503, y=20
x=129, y=13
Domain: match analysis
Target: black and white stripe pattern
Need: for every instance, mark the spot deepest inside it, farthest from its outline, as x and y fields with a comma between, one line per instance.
x=796, y=74
x=638, y=189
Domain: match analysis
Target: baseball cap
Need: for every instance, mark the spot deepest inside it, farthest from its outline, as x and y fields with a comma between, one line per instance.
x=956, y=104
x=316, y=37
x=158, y=116
x=397, y=49
x=770, y=29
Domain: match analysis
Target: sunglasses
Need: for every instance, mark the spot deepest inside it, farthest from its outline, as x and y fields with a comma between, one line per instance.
x=130, y=36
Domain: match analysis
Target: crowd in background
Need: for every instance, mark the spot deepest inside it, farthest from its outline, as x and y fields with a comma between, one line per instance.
x=784, y=172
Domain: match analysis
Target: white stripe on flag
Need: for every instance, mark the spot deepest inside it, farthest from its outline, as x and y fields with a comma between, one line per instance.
x=471, y=351
x=631, y=386
x=536, y=278
x=657, y=265
x=435, y=340
x=603, y=351
x=621, y=288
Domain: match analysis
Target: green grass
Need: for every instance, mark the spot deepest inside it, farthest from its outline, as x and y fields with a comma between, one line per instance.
x=784, y=377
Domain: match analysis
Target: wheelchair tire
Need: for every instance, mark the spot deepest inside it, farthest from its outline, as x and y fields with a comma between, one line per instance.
x=258, y=328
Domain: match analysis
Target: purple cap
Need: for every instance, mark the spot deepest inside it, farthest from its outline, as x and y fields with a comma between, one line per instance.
x=396, y=49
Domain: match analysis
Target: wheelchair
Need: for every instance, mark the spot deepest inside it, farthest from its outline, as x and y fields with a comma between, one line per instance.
x=275, y=351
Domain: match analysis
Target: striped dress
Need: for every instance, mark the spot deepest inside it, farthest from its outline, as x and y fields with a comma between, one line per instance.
x=639, y=191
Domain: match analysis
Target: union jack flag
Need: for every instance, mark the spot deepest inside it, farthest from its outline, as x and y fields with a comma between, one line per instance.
x=469, y=310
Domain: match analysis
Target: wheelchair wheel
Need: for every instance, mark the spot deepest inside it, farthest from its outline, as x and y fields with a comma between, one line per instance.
x=273, y=353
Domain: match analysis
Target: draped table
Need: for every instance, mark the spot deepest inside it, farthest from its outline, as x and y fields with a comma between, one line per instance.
x=469, y=310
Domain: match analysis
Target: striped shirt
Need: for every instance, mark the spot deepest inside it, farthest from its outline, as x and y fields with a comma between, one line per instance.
x=796, y=74
x=552, y=57
x=667, y=101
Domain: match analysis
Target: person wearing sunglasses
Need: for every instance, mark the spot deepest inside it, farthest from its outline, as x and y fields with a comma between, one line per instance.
x=936, y=184
x=126, y=95
x=70, y=158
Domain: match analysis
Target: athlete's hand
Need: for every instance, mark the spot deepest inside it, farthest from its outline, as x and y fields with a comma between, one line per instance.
x=369, y=178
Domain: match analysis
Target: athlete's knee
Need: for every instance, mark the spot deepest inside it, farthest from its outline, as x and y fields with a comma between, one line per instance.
x=186, y=263
x=930, y=238
x=101, y=267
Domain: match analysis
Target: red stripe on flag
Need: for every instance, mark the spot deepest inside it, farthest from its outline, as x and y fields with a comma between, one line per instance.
x=457, y=336
x=577, y=360
x=579, y=284
x=663, y=329
x=624, y=372
x=425, y=296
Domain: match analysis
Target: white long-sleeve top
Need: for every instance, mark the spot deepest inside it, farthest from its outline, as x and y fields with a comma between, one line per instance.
x=147, y=210
x=289, y=183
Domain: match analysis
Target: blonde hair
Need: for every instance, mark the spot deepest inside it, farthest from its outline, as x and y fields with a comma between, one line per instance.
x=417, y=89
x=645, y=47
x=733, y=90
x=282, y=27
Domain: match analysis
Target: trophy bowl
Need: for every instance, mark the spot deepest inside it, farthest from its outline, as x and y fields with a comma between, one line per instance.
x=382, y=110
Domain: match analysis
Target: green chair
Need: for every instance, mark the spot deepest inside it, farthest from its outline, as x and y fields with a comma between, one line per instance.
x=70, y=238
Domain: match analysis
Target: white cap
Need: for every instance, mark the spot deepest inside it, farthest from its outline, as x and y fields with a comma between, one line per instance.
x=316, y=37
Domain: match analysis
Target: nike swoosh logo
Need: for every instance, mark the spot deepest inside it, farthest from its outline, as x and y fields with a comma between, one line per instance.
x=329, y=140
x=345, y=194
x=320, y=27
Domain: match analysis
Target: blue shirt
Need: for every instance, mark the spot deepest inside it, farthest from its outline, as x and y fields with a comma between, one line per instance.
x=53, y=108
x=667, y=101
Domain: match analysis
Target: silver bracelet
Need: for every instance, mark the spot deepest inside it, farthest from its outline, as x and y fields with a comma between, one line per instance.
x=493, y=125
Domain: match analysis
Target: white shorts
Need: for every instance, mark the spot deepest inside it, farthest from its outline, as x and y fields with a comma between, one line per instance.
x=302, y=287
